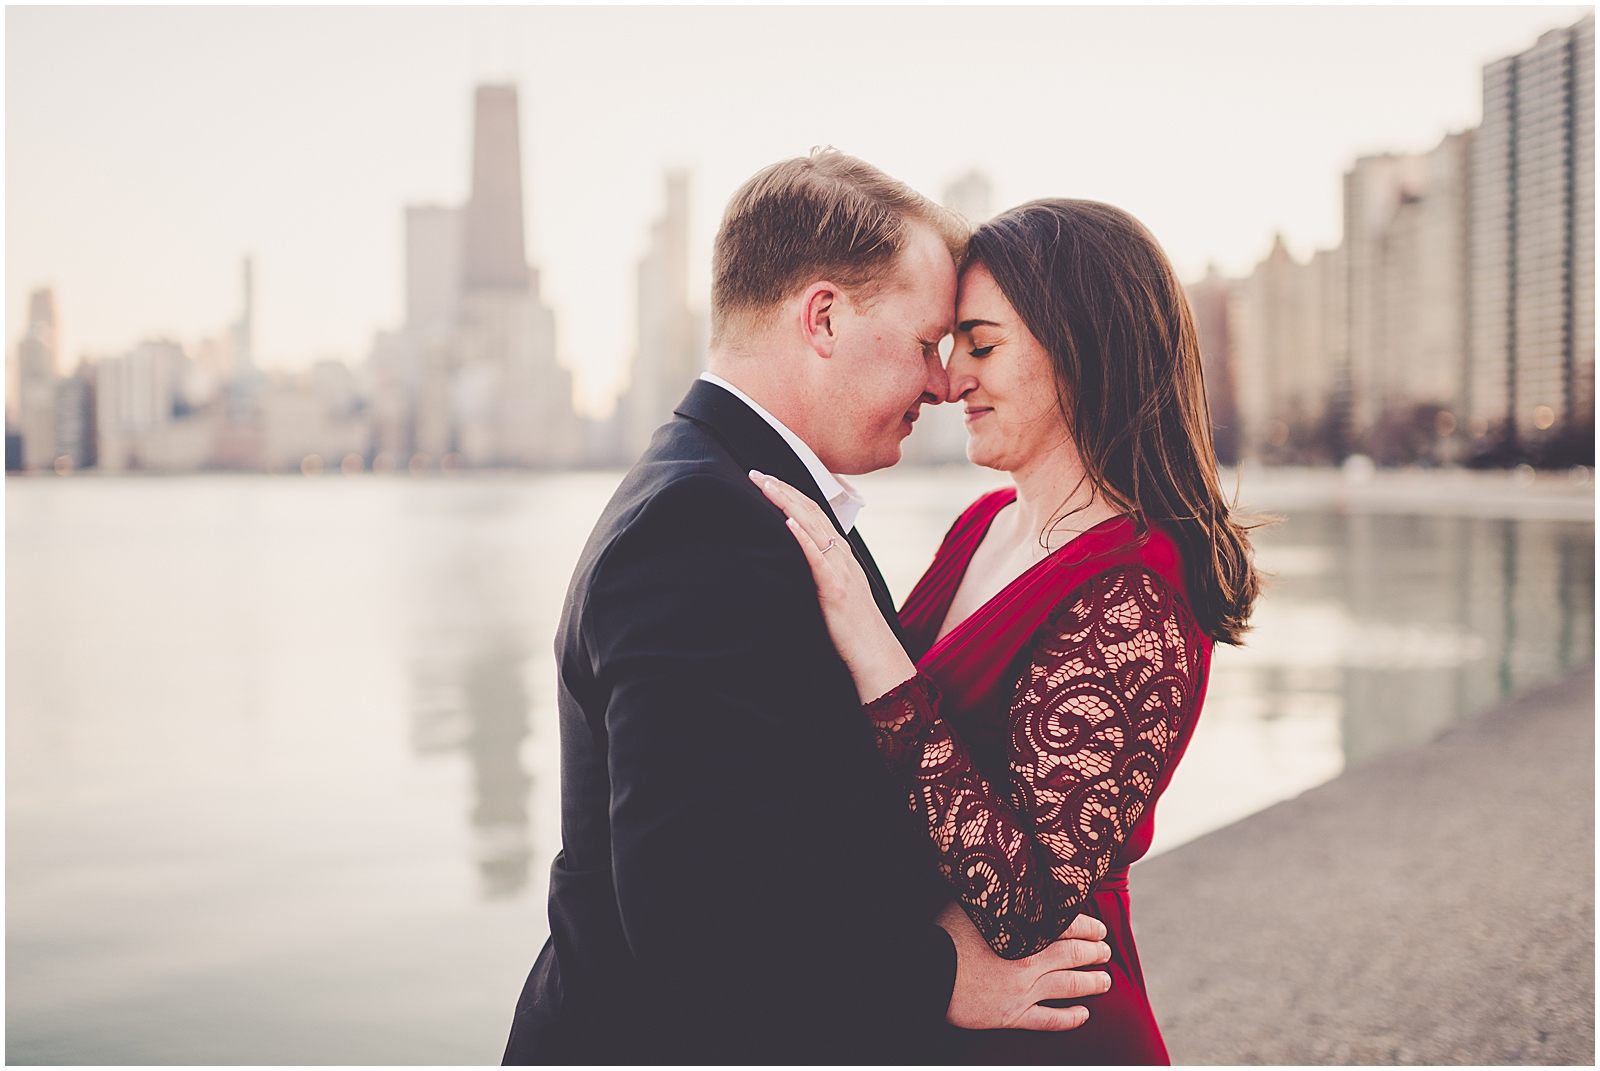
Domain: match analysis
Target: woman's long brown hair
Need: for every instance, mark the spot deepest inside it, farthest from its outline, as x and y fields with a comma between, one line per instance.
x=1099, y=294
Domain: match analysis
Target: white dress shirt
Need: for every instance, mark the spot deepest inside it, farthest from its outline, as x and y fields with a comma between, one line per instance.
x=846, y=501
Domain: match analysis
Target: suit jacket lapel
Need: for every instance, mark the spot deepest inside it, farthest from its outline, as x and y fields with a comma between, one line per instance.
x=880, y=590
x=757, y=445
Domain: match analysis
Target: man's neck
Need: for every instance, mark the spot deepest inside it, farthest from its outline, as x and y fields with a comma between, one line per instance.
x=840, y=494
x=750, y=374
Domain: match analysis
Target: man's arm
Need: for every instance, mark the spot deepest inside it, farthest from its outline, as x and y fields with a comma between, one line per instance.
x=744, y=864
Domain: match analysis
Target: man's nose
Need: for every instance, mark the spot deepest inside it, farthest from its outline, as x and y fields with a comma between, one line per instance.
x=958, y=384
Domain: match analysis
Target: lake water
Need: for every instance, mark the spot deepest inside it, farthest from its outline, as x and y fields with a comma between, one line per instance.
x=281, y=756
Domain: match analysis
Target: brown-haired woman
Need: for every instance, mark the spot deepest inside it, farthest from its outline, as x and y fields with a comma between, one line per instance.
x=1063, y=633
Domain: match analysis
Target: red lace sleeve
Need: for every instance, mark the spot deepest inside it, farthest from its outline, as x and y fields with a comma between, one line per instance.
x=1113, y=673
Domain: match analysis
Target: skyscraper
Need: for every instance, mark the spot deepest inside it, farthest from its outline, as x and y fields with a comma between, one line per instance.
x=37, y=373
x=1210, y=302
x=433, y=269
x=669, y=352
x=493, y=255
x=244, y=332
x=475, y=369
x=1374, y=192
x=75, y=419
x=134, y=396
x=1531, y=256
x=1405, y=312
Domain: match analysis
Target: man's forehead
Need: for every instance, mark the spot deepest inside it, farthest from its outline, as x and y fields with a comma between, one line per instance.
x=935, y=269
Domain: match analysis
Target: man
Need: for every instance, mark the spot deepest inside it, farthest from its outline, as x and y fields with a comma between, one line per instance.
x=740, y=881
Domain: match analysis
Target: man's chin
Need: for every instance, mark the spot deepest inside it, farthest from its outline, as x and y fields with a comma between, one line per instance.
x=886, y=456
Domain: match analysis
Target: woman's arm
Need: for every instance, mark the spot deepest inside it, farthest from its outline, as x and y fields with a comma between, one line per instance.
x=1112, y=675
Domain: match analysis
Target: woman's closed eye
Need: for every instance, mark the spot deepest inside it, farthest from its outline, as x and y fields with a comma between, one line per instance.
x=980, y=351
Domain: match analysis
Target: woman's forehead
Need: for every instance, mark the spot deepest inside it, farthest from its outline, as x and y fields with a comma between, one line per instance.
x=979, y=300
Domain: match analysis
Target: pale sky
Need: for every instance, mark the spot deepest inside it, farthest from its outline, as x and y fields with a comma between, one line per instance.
x=148, y=150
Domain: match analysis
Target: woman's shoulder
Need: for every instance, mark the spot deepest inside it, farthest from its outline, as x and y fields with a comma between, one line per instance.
x=1116, y=550
x=1161, y=553
x=986, y=505
x=974, y=520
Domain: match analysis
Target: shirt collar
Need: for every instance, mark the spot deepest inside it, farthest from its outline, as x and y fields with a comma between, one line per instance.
x=846, y=501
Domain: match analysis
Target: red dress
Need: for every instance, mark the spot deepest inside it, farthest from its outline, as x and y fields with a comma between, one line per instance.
x=1035, y=740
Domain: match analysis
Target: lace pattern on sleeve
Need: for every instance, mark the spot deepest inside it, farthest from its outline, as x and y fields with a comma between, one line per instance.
x=1112, y=675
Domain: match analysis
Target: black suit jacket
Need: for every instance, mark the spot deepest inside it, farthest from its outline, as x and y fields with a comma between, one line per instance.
x=739, y=880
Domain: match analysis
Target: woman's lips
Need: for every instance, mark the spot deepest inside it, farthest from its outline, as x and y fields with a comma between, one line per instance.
x=977, y=411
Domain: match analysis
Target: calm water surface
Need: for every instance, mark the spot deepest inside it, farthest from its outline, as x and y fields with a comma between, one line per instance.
x=281, y=753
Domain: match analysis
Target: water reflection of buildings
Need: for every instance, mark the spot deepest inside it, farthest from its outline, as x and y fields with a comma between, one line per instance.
x=469, y=696
x=1426, y=621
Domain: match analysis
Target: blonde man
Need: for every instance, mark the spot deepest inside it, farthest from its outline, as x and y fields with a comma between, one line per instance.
x=740, y=881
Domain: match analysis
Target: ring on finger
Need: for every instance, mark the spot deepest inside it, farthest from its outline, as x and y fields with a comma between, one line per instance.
x=831, y=544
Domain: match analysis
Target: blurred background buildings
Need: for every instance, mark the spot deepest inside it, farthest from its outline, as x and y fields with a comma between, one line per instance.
x=1455, y=321
x=1453, y=324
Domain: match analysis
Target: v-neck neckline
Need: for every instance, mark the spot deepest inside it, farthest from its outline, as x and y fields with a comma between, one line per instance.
x=1016, y=580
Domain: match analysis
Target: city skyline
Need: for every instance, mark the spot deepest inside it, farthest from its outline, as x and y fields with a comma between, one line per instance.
x=1454, y=322
x=588, y=225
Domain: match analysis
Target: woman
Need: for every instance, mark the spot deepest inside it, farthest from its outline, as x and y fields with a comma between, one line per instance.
x=1063, y=633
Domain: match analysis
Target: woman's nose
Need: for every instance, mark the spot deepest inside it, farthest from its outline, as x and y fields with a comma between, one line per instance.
x=960, y=386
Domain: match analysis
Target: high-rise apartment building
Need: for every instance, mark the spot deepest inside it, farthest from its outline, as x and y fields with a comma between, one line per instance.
x=1374, y=192
x=670, y=349
x=1426, y=269
x=36, y=373
x=1405, y=313
x=1531, y=252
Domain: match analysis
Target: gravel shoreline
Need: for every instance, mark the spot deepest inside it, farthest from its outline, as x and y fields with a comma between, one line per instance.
x=1434, y=906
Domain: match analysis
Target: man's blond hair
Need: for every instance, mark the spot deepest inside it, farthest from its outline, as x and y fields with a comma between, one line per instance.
x=824, y=216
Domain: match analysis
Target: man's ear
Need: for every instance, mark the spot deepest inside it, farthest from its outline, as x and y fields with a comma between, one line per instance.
x=819, y=304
